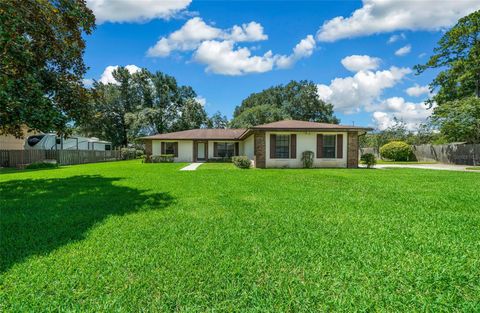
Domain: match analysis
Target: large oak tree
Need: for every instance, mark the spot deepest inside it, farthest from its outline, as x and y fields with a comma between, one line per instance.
x=41, y=64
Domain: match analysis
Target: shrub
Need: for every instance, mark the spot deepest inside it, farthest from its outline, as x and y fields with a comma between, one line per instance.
x=220, y=160
x=307, y=159
x=147, y=158
x=241, y=162
x=128, y=153
x=162, y=158
x=39, y=165
x=139, y=154
x=368, y=159
x=397, y=151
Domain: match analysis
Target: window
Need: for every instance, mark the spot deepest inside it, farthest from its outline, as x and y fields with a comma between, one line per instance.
x=225, y=149
x=170, y=148
x=282, y=144
x=329, y=146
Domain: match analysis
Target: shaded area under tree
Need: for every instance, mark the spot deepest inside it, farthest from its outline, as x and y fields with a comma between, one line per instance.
x=40, y=215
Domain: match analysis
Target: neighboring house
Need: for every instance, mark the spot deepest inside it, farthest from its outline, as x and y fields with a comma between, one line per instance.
x=10, y=142
x=278, y=144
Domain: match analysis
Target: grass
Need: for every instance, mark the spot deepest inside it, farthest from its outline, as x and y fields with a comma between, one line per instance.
x=474, y=168
x=128, y=237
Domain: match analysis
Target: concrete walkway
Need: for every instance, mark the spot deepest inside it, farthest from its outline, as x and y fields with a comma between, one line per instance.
x=436, y=166
x=191, y=167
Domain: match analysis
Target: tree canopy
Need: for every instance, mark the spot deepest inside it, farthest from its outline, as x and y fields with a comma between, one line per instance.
x=141, y=104
x=295, y=100
x=457, y=86
x=41, y=64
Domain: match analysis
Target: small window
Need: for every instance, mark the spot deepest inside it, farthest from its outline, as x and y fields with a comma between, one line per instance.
x=329, y=146
x=108, y=147
x=282, y=145
x=225, y=149
x=33, y=140
x=169, y=148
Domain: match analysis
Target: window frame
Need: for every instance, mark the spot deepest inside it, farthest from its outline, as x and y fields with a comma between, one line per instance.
x=324, y=154
x=224, y=145
x=284, y=155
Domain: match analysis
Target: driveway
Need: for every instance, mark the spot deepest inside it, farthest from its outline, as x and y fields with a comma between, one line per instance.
x=436, y=166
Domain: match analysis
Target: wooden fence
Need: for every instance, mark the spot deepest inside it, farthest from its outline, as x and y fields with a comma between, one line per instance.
x=453, y=153
x=20, y=158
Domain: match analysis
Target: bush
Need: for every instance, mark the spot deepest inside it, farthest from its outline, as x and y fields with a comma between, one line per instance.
x=220, y=160
x=307, y=159
x=139, y=154
x=368, y=159
x=241, y=162
x=397, y=151
x=162, y=158
x=128, y=153
x=39, y=165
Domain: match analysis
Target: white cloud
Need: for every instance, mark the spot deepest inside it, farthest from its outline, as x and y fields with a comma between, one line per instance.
x=222, y=57
x=252, y=31
x=397, y=37
x=417, y=90
x=201, y=100
x=412, y=114
x=107, y=76
x=356, y=63
x=303, y=49
x=403, y=50
x=362, y=90
x=135, y=10
x=195, y=31
x=380, y=16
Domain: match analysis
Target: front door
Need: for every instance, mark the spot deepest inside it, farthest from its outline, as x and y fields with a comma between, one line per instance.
x=201, y=151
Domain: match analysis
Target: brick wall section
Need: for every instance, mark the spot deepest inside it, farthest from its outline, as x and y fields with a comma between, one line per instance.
x=148, y=147
x=352, y=150
x=260, y=149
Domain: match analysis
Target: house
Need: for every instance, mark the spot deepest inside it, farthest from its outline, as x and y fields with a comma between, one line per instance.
x=277, y=144
x=10, y=142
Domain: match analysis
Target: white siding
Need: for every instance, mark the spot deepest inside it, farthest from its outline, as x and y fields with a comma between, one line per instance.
x=248, y=147
x=185, y=149
x=306, y=141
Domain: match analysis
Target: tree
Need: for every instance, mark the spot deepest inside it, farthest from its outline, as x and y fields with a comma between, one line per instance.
x=458, y=54
x=141, y=104
x=296, y=100
x=41, y=64
x=217, y=120
x=459, y=119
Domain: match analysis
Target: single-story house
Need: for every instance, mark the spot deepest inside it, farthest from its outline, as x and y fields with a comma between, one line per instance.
x=277, y=144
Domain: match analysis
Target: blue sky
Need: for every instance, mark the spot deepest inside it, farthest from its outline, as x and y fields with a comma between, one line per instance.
x=360, y=54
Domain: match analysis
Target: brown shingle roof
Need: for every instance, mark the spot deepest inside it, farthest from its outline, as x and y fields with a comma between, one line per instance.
x=240, y=133
x=202, y=133
x=294, y=124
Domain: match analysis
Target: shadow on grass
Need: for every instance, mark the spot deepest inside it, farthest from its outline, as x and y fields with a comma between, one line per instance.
x=38, y=216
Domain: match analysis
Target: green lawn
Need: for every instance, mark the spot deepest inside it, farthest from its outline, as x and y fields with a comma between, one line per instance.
x=130, y=237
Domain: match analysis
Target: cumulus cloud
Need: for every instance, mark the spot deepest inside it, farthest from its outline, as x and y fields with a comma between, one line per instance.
x=362, y=90
x=135, y=10
x=403, y=50
x=303, y=49
x=412, y=114
x=356, y=63
x=396, y=37
x=417, y=90
x=195, y=31
x=107, y=76
x=381, y=16
x=222, y=57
